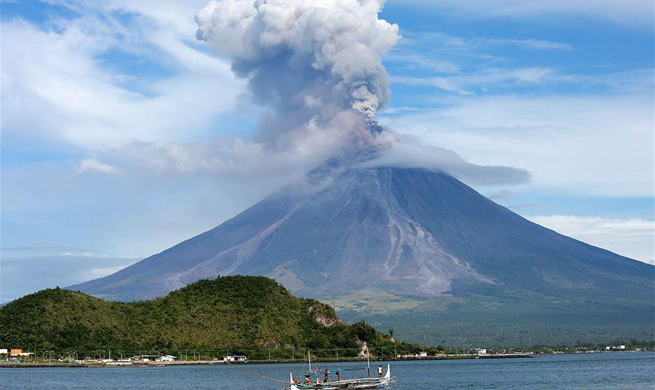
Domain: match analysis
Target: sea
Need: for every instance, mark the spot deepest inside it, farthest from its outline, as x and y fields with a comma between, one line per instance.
x=624, y=370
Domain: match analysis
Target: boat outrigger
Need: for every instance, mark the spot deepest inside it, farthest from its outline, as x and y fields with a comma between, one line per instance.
x=319, y=380
x=359, y=383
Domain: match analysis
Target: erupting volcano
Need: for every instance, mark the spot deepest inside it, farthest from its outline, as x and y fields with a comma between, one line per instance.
x=402, y=244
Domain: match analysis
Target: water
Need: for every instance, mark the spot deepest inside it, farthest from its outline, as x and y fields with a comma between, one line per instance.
x=563, y=372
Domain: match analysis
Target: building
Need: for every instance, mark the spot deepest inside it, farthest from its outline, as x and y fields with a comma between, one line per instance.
x=166, y=358
x=420, y=355
x=19, y=352
x=4, y=351
x=481, y=351
x=234, y=358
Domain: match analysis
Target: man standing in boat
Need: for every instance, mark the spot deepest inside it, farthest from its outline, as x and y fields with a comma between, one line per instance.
x=380, y=371
x=327, y=374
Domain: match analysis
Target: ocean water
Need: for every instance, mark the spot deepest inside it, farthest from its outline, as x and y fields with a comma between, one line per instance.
x=565, y=372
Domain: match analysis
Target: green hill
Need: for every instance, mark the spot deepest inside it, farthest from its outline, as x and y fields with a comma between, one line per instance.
x=239, y=313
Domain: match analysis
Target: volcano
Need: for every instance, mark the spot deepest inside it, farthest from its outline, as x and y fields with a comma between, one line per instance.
x=415, y=249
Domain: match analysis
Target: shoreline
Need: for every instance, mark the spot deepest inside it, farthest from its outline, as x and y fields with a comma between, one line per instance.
x=214, y=362
x=154, y=364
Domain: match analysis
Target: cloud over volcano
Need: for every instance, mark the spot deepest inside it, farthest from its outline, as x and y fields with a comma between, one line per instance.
x=318, y=66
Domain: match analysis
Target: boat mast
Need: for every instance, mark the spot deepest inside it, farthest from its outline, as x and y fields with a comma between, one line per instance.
x=368, y=363
x=310, y=361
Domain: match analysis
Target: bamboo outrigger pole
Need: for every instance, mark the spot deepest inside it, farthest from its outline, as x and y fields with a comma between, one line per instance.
x=368, y=363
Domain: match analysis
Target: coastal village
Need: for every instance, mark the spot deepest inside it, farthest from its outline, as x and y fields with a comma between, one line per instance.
x=17, y=357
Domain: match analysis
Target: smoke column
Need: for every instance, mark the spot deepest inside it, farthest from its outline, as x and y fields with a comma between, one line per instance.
x=316, y=63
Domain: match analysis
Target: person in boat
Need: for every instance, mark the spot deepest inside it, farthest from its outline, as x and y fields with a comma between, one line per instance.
x=338, y=375
x=308, y=379
x=327, y=374
x=380, y=371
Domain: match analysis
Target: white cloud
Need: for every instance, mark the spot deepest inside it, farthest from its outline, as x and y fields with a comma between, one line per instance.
x=92, y=165
x=414, y=60
x=628, y=13
x=445, y=83
x=491, y=78
x=103, y=73
x=410, y=153
x=634, y=238
x=592, y=145
x=292, y=154
x=55, y=86
x=525, y=43
x=436, y=39
x=463, y=84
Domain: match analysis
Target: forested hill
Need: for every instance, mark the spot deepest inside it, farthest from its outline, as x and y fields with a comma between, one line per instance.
x=234, y=312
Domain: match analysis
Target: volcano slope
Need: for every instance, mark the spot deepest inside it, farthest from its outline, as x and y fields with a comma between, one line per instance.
x=419, y=251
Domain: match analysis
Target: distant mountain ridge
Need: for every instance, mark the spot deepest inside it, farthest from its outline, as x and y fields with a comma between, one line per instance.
x=418, y=235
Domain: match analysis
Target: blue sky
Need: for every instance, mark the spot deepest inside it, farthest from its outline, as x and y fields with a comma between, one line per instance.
x=108, y=107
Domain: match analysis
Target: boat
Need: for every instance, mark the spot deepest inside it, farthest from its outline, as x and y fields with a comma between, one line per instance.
x=358, y=383
x=313, y=381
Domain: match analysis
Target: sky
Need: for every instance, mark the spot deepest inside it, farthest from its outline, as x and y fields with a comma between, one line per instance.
x=124, y=134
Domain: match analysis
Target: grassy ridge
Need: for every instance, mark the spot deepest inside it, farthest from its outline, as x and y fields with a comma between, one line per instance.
x=236, y=312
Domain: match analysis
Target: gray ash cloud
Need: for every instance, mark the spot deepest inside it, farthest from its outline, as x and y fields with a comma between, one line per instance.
x=317, y=67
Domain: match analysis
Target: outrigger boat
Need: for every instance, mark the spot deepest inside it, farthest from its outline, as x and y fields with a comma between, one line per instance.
x=359, y=383
x=313, y=381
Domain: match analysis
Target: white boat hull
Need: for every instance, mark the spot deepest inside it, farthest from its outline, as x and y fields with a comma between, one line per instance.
x=362, y=383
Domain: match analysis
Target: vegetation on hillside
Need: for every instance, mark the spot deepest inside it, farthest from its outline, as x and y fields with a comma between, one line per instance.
x=515, y=319
x=235, y=313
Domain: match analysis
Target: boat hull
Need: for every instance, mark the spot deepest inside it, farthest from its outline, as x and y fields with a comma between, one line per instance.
x=362, y=383
x=338, y=386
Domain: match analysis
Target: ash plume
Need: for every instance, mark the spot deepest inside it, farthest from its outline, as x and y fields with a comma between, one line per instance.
x=317, y=66
x=310, y=61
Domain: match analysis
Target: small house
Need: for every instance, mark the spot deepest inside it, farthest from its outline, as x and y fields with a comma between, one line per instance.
x=167, y=358
x=235, y=358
